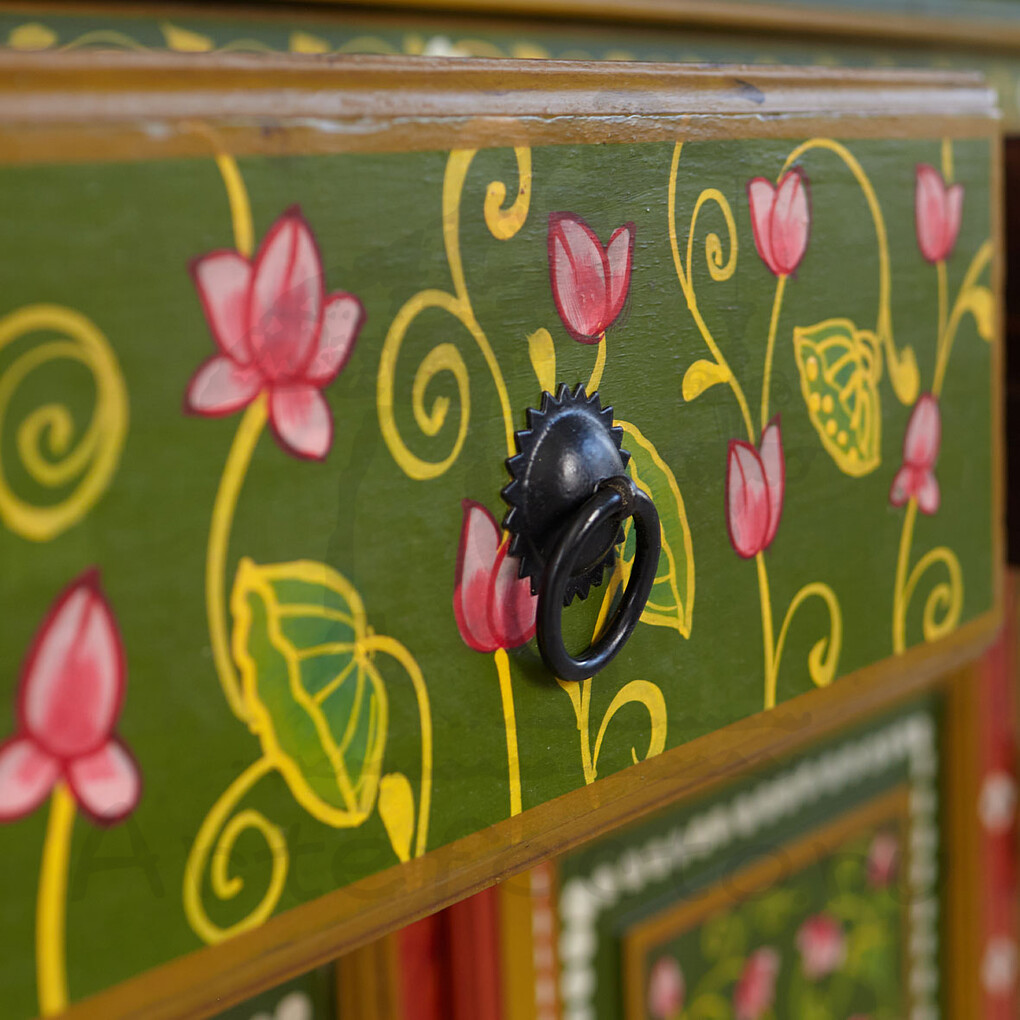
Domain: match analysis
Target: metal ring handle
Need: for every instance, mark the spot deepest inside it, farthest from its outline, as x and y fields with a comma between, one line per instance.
x=618, y=498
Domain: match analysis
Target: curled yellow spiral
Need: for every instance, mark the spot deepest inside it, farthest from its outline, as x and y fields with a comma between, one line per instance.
x=445, y=357
x=49, y=451
x=640, y=692
x=720, y=267
x=220, y=848
x=944, y=603
x=824, y=655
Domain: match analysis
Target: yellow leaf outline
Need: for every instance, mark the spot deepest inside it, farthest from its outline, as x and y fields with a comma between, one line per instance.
x=846, y=415
x=678, y=615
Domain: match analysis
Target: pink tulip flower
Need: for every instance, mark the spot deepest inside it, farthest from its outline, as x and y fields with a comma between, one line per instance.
x=666, y=989
x=916, y=477
x=822, y=946
x=494, y=608
x=755, y=483
x=937, y=213
x=883, y=857
x=756, y=989
x=780, y=220
x=589, y=281
x=277, y=332
x=70, y=695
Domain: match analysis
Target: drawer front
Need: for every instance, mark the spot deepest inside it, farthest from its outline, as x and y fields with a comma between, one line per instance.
x=266, y=345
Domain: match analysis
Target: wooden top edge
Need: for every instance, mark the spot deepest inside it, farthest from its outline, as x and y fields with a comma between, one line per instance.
x=111, y=86
x=351, y=65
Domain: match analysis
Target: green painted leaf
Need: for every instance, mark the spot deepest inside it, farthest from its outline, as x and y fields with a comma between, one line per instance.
x=671, y=603
x=839, y=367
x=315, y=700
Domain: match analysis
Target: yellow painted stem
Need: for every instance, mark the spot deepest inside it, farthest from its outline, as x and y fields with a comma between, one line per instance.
x=900, y=593
x=236, y=468
x=947, y=335
x=595, y=379
x=502, y=661
x=770, y=347
x=393, y=648
x=768, y=635
x=718, y=270
x=51, y=905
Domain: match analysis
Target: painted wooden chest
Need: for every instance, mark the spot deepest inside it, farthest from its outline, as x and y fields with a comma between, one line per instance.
x=272, y=327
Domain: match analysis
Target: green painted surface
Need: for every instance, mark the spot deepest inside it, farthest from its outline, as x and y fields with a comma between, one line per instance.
x=114, y=242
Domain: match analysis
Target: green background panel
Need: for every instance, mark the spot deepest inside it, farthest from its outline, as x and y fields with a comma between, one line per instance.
x=113, y=241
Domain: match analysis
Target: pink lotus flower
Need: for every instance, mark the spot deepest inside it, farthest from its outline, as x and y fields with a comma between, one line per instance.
x=589, y=281
x=883, y=856
x=755, y=483
x=71, y=692
x=494, y=608
x=666, y=989
x=277, y=331
x=822, y=946
x=780, y=220
x=937, y=213
x=916, y=478
x=756, y=989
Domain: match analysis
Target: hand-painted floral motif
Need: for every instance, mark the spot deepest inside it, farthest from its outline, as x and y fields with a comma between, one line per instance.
x=916, y=478
x=822, y=946
x=755, y=483
x=666, y=989
x=589, y=281
x=494, y=607
x=71, y=693
x=780, y=220
x=277, y=332
x=938, y=210
x=883, y=858
x=756, y=989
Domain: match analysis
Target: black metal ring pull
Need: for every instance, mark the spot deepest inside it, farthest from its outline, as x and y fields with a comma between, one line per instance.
x=615, y=499
x=568, y=496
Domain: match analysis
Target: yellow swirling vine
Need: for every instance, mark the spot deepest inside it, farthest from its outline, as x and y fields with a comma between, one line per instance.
x=641, y=692
x=944, y=603
x=503, y=221
x=220, y=829
x=503, y=224
x=902, y=363
x=46, y=438
x=824, y=656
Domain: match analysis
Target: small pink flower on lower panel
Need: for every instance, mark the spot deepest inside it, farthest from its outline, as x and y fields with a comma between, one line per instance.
x=666, y=989
x=822, y=946
x=278, y=332
x=756, y=988
x=493, y=606
x=883, y=859
x=70, y=695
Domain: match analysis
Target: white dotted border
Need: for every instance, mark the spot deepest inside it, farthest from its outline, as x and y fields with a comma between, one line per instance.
x=910, y=739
